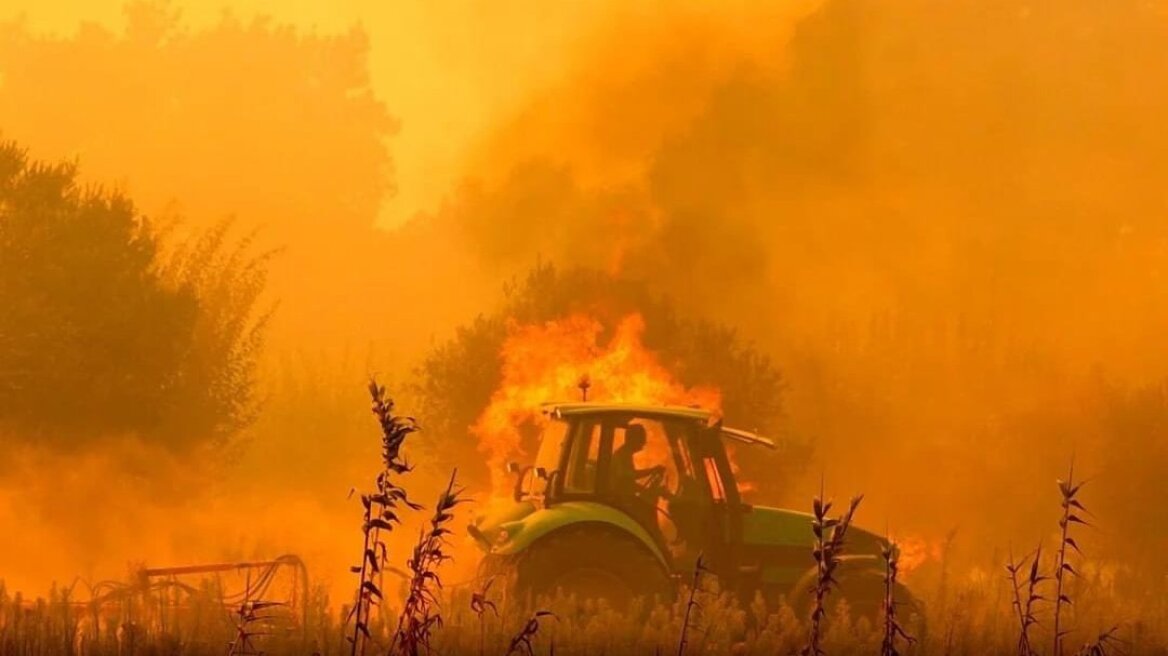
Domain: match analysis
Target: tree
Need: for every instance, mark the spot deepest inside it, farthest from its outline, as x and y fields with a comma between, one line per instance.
x=97, y=336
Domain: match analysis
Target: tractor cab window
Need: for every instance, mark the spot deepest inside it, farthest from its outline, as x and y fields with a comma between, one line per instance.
x=583, y=458
x=716, y=470
x=642, y=463
x=631, y=460
x=547, y=459
x=650, y=469
x=717, y=487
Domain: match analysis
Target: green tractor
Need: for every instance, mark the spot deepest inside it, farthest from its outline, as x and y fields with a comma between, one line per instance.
x=621, y=500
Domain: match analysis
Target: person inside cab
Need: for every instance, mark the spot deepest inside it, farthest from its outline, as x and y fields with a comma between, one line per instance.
x=626, y=478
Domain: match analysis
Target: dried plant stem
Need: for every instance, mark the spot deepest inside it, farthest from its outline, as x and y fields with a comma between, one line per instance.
x=522, y=642
x=1067, y=489
x=479, y=603
x=1100, y=645
x=419, y=617
x=248, y=613
x=829, y=545
x=1025, y=608
x=690, y=605
x=380, y=515
x=893, y=631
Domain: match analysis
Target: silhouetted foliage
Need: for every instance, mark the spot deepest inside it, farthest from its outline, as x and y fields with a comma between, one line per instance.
x=97, y=336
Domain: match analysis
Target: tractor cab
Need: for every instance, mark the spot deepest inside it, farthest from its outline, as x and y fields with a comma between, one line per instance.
x=665, y=469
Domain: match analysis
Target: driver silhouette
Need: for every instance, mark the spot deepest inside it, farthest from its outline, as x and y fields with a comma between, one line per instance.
x=625, y=475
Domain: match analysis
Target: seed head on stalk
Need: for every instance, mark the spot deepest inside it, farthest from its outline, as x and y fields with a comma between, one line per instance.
x=381, y=514
x=1071, y=506
x=421, y=613
x=893, y=631
x=829, y=545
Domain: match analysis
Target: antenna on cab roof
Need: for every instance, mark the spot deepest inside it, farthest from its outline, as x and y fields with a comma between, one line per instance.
x=584, y=384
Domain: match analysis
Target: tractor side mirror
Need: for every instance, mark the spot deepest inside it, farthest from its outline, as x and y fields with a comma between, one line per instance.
x=541, y=472
x=519, y=473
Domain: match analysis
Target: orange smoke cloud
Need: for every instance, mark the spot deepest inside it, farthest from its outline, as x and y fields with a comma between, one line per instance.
x=547, y=362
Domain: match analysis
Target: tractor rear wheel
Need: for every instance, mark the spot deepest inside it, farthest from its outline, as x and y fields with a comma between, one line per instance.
x=863, y=589
x=591, y=563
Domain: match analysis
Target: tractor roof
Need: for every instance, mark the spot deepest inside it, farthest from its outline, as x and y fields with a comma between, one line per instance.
x=586, y=408
x=560, y=410
x=747, y=437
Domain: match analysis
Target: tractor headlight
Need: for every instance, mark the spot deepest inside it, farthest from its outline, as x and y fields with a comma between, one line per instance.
x=506, y=532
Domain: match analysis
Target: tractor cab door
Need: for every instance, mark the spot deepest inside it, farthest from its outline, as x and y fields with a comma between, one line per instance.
x=670, y=475
x=619, y=459
x=713, y=513
x=643, y=472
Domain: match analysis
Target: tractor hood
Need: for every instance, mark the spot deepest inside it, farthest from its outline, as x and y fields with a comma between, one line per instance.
x=486, y=527
x=511, y=527
x=775, y=527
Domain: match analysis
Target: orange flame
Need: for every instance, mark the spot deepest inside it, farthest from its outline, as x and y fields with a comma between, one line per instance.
x=916, y=551
x=547, y=362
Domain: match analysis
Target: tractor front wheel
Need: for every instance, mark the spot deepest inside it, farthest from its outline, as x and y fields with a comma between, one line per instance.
x=591, y=563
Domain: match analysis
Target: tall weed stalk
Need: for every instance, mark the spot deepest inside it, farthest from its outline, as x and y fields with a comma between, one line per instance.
x=381, y=508
x=829, y=546
x=421, y=613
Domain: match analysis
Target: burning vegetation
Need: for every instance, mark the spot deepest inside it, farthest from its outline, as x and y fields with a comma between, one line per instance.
x=572, y=359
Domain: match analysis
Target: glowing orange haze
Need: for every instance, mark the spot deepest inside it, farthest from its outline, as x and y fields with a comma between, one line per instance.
x=547, y=362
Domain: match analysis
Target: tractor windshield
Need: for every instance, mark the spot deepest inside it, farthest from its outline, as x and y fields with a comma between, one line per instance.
x=551, y=445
